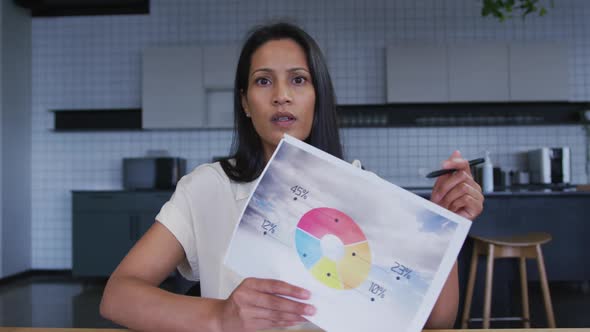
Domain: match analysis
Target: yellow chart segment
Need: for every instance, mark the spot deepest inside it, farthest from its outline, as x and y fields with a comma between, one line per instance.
x=355, y=266
x=349, y=272
x=326, y=272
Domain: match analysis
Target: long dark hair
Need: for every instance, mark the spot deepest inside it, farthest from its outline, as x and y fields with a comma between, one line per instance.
x=247, y=150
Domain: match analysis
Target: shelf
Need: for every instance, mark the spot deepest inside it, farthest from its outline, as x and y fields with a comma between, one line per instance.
x=99, y=120
x=52, y=8
x=461, y=114
x=371, y=116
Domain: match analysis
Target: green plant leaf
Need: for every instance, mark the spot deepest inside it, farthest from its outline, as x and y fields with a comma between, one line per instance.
x=503, y=9
x=542, y=11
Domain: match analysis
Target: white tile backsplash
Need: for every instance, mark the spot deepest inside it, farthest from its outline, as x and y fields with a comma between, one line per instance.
x=95, y=62
x=402, y=155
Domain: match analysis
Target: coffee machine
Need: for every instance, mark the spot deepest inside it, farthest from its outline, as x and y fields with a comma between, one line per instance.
x=550, y=165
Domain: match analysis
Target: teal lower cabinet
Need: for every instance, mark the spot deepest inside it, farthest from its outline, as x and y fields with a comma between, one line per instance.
x=106, y=225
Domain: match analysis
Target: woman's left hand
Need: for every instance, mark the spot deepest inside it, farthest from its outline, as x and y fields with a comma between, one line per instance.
x=457, y=191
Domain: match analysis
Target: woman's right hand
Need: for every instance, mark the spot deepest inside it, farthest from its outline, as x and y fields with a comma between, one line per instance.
x=257, y=304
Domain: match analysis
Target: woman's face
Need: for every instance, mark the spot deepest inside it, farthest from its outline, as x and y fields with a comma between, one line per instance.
x=280, y=97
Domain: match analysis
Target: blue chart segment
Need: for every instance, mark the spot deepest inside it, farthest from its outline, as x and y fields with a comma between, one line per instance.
x=309, y=248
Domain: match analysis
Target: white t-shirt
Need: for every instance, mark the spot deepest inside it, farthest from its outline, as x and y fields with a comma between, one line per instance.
x=202, y=215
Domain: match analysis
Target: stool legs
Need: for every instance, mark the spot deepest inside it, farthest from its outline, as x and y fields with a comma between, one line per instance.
x=470, y=286
x=526, y=316
x=488, y=288
x=545, y=288
x=521, y=247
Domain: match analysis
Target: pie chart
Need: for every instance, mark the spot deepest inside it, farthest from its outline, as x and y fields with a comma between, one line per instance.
x=333, y=248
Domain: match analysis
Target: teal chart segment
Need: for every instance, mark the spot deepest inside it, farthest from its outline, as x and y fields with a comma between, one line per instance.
x=308, y=248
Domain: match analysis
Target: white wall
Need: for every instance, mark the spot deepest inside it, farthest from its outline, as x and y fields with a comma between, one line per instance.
x=95, y=62
x=16, y=138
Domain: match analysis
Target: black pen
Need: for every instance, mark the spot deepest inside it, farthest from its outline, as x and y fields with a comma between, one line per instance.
x=451, y=170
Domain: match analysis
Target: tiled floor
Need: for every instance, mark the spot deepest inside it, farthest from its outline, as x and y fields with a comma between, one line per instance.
x=61, y=301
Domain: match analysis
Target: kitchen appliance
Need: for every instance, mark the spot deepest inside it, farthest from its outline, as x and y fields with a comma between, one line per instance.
x=550, y=165
x=152, y=173
x=519, y=178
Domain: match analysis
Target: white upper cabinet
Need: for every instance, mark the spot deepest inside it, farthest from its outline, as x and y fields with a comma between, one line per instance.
x=219, y=66
x=172, y=91
x=539, y=71
x=478, y=72
x=220, y=108
x=188, y=87
x=417, y=73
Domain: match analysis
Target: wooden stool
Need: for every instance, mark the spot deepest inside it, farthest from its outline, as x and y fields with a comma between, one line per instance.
x=521, y=247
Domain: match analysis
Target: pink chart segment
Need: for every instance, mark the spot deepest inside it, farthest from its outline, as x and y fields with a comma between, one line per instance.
x=322, y=221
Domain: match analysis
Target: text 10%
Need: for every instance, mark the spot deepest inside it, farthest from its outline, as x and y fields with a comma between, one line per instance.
x=377, y=290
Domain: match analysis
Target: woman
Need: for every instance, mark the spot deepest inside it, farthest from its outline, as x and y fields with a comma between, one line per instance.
x=282, y=86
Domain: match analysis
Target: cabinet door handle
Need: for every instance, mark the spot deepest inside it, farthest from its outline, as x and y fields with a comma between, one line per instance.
x=101, y=196
x=136, y=228
x=132, y=228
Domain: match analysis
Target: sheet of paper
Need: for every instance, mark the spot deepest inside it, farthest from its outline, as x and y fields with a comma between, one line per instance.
x=373, y=255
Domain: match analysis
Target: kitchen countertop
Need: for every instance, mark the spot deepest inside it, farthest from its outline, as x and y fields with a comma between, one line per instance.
x=539, y=193
x=118, y=191
x=421, y=191
x=28, y=329
x=425, y=192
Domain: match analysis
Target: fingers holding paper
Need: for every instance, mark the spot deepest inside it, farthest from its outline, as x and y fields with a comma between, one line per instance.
x=258, y=304
x=457, y=191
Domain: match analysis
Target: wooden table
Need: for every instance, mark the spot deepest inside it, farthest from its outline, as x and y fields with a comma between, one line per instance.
x=28, y=329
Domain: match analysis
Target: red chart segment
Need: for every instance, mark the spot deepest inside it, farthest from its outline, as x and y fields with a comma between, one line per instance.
x=322, y=221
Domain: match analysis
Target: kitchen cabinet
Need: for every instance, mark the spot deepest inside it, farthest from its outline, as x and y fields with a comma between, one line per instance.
x=478, y=72
x=220, y=108
x=417, y=73
x=538, y=71
x=219, y=66
x=173, y=95
x=220, y=62
x=189, y=87
x=105, y=225
x=101, y=240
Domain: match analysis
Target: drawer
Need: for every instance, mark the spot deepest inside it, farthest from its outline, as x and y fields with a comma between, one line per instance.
x=97, y=201
x=125, y=201
x=150, y=201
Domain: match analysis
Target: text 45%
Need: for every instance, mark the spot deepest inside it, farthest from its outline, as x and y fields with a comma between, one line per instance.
x=299, y=192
